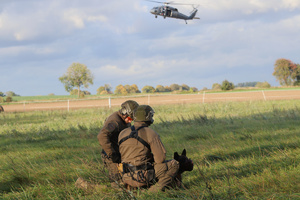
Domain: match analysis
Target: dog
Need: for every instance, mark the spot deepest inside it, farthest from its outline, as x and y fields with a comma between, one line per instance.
x=185, y=164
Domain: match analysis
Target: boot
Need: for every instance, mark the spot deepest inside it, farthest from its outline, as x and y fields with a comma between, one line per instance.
x=82, y=184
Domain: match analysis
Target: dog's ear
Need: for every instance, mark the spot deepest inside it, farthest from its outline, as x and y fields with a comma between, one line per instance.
x=183, y=152
x=176, y=155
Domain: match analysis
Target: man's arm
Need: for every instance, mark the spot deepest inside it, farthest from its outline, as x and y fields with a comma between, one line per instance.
x=158, y=150
x=104, y=138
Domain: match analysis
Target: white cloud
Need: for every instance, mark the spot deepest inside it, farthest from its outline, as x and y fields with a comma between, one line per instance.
x=291, y=4
x=74, y=16
x=123, y=43
x=35, y=19
x=245, y=5
x=98, y=18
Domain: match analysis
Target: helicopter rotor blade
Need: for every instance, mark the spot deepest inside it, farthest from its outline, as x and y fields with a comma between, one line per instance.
x=159, y=2
x=169, y=2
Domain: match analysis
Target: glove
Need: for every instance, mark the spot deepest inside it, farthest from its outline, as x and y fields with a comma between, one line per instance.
x=116, y=157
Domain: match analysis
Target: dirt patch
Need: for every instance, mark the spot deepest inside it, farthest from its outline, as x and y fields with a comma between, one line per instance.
x=156, y=100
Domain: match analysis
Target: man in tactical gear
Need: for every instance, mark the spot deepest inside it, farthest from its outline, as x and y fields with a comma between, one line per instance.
x=108, y=138
x=143, y=154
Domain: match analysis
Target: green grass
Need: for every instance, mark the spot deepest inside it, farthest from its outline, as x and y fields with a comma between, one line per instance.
x=241, y=150
x=66, y=97
x=45, y=98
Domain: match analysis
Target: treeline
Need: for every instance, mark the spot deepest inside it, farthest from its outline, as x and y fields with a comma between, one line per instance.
x=131, y=89
x=7, y=96
x=246, y=84
x=285, y=71
x=226, y=85
x=254, y=84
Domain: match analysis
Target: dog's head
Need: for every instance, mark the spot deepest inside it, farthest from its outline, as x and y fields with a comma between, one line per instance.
x=185, y=164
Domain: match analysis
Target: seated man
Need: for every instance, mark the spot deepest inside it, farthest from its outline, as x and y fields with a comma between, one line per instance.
x=108, y=138
x=143, y=154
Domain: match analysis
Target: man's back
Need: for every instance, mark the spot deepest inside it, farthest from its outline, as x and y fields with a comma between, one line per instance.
x=136, y=153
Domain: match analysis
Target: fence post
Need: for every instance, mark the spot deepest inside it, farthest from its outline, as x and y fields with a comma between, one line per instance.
x=68, y=105
x=109, y=102
x=264, y=95
x=148, y=99
x=203, y=96
x=24, y=105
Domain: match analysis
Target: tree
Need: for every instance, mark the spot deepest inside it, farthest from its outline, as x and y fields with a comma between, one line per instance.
x=167, y=89
x=77, y=75
x=2, y=94
x=216, y=86
x=11, y=94
x=106, y=89
x=286, y=71
x=247, y=84
x=120, y=89
x=263, y=85
x=185, y=87
x=9, y=99
x=86, y=92
x=174, y=87
x=100, y=89
x=148, y=89
x=127, y=87
x=134, y=89
x=160, y=88
x=193, y=89
x=74, y=92
x=226, y=85
x=297, y=75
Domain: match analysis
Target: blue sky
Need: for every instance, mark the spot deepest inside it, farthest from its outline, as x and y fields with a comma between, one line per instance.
x=122, y=43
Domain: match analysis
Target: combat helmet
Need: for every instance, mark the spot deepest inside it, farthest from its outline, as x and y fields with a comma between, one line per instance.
x=143, y=113
x=128, y=107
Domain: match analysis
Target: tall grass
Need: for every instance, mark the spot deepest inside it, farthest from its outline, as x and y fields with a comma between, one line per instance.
x=241, y=150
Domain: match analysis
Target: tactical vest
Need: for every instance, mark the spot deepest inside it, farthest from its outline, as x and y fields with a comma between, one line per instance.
x=134, y=134
x=139, y=175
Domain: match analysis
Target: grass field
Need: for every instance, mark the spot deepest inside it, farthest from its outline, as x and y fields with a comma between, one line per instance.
x=66, y=97
x=241, y=150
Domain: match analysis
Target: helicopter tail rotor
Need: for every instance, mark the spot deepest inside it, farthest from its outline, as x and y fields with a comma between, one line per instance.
x=193, y=14
x=194, y=9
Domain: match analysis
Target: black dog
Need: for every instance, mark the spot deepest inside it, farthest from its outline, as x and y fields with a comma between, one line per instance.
x=185, y=164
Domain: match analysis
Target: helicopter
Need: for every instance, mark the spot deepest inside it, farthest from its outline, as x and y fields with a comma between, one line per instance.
x=168, y=11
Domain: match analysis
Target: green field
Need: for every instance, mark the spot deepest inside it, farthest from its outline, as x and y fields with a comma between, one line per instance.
x=66, y=97
x=241, y=150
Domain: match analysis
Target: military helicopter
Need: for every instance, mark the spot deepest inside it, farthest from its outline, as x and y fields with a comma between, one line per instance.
x=168, y=11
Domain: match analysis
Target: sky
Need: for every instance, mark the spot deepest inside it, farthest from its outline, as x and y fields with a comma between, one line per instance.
x=121, y=42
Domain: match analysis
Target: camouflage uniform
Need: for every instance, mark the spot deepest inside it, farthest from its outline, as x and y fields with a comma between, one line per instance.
x=139, y=157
